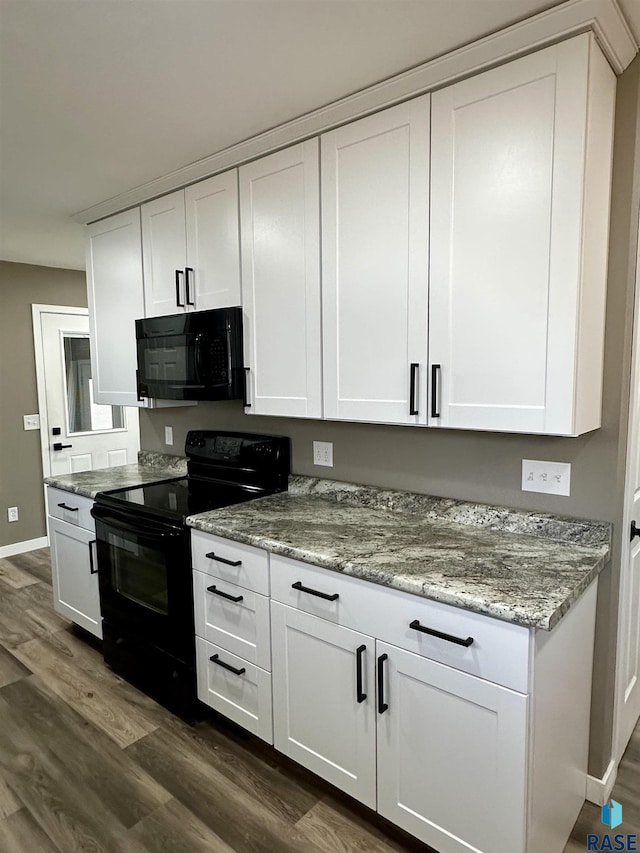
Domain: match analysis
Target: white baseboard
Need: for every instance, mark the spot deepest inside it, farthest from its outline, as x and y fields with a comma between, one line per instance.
x=599, y=790
x=22, y=547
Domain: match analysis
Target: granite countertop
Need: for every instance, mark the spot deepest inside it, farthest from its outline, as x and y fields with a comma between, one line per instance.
x=523, y=567
x=150, y=468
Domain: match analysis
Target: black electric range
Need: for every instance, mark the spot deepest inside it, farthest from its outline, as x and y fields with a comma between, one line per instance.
x=144, y=557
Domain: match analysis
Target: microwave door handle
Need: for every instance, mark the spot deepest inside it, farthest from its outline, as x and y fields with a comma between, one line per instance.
x=197, y=360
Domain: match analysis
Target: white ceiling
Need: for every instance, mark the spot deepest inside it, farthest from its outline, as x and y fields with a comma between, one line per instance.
x=100, y=96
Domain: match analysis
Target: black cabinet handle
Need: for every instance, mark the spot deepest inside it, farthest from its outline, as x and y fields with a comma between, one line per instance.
x=212, y=556
x=245, y=398
x=360, y=696
x=635, y=531
x=216, y=591
x=59, y=446
x=435, y=393
x=298, y=585
x=187, y=282
x=70, y=508
x=178, y=302
x=382, y=705
x=92, y=568
x=215, y=659
x=413, y=376
x=448, y=637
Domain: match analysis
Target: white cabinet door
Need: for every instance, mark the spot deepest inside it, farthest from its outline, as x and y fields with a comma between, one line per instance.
x=75, y=574
x=375, y=239
x=318, y=720
x=451, y=755
x=164, y=255
x=116, y=301
x=519, y=220
x=213, y=243
x=280, y=228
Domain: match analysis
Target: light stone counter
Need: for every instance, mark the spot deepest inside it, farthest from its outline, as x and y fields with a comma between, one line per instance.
x=151, y=468
x=522, y=567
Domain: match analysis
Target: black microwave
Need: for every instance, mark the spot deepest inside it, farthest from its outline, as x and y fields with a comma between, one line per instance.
x=191, y=356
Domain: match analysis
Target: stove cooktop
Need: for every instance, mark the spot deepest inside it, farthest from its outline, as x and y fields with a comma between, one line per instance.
x=176, y=499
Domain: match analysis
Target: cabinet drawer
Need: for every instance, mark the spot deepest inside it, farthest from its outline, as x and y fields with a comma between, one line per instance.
x=74, y=509
x=244, y=697
x=230, y=561
x=239, y=626
x=499, y=651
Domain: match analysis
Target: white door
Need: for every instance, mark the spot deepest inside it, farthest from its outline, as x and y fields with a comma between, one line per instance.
x=280, y=214
x=451, y=755
x=80, y=435
x=628, y=659
x=320, y=718
x=74, y=574
x=375, y=241
x=164, y=255
x=212, y=275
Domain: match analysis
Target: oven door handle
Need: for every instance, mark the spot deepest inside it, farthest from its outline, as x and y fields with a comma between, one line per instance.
x=146, y=528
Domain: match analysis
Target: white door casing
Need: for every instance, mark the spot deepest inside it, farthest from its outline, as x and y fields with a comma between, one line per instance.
x=627, y=698
x=94, y=442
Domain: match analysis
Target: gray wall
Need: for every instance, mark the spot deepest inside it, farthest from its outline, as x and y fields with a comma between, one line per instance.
x=486, y=467
x=21, y=285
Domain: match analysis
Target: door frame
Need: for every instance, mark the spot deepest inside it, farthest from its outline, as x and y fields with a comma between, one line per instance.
x=620, y=740
x=36, y=312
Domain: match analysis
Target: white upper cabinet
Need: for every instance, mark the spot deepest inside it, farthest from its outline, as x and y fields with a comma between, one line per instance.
x=164, y=255
x=115, y=295
x=191, y=248
x=520, y=184
x=375, y=240
x=280, y=227
x=213, y=243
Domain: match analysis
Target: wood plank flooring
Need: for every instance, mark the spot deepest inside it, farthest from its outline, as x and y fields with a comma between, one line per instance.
x=88, y=763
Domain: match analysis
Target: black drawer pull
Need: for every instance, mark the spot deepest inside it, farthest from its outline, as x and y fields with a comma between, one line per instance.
x=70, y=508
x=360, y=695
x=216, y=591
x=211, y=555
x=435, y=394
x=448, y=637
x=382, y=705
x=298, y=585
x=215, y=659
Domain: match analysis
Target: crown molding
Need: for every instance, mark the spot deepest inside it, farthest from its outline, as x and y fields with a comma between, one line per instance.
x=602, y=17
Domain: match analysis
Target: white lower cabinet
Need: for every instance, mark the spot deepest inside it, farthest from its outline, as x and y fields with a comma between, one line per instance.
x=233, y=639
x=451, y=755
x=75, y=574
x=451, y=724
x=323, y=699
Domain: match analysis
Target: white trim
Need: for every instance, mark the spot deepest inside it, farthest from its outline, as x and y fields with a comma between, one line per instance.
x=620, y=738
x=599, y=790
x=576, y=16
x=36, y=312
x=22, y=547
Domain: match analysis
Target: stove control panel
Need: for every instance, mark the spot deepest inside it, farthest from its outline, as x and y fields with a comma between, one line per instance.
x=216, y=453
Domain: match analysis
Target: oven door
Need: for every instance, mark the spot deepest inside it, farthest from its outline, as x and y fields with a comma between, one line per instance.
x=144, y=575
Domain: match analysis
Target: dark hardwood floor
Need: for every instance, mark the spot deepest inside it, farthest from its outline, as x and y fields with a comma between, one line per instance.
x=88, y=763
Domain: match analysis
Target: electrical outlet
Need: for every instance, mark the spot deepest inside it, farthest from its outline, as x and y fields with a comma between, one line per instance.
x=552, y=478
x=168, y=435
x=323, y=453
x=31, y=421
x=12, y=513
